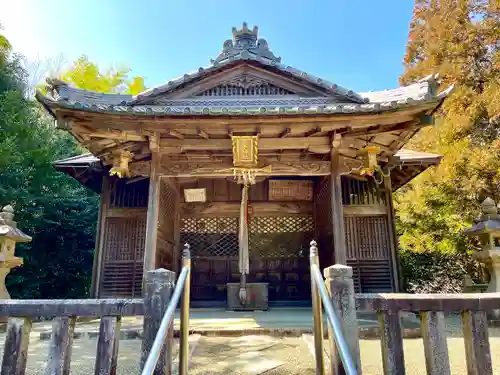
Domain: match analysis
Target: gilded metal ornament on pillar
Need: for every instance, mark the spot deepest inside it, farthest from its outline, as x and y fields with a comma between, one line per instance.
x=372, y=168
x=121, y=160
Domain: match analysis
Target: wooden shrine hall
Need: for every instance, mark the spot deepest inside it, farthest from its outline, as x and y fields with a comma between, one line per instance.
x=246, y=160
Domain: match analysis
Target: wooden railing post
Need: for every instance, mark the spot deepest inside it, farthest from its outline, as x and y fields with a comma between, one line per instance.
x=15, y=352
x=341, y=287
x=159, y=286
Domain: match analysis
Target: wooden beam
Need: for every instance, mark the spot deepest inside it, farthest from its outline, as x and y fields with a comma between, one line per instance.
x=397, y=137
x=254, y=208
x=225, y=169
x=121, y=146
x=175, y=133
x=203, y=134
x=116, y=134
x=312, y=132
x=129, y=122
x=364, y=210
x=177, y=146
x=285, y=133
x=410, y=125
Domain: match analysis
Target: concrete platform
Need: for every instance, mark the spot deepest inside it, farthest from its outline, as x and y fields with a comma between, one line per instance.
x=291, y=322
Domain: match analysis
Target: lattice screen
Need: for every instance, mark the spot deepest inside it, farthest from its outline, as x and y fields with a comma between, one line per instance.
x=123, y=255
x=210, y=236
x=128, y=195
x=371, y=276
x=367, y=237
x=357, y=192
x=269, y=236
x=167, y=210
x=280, y=236
x=323, y=209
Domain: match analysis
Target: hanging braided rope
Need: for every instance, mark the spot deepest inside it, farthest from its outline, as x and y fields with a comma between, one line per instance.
x=243, y=261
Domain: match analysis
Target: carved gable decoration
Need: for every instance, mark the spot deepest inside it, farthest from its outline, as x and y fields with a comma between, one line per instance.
x=245, y=85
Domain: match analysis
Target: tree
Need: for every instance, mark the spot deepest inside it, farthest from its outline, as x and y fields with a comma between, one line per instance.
x=458, y=40
x=5, y=46
x=86, y=75
x=59, y=213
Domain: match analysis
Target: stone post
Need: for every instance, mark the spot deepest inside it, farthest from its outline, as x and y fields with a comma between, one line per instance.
x=9, y=236
x=338, y=279
x=159, y=286
x=487, y=229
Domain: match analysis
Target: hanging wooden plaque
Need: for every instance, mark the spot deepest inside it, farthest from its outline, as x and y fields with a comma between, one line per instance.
x=245, y=151
x=290, y=190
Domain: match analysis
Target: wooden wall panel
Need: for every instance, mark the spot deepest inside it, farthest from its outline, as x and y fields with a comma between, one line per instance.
x=366, y=222
x=223, y=190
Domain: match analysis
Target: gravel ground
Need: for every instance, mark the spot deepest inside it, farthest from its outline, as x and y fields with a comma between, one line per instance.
x=371, y=359
x=258, y=354
x=83, y=356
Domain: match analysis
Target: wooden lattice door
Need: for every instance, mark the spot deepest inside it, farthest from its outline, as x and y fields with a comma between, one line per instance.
x=214, y=248
x=123, y=256
x=278, y=255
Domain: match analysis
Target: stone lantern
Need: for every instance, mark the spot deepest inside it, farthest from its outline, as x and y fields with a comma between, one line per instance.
x=487, y=229
x=9, y=235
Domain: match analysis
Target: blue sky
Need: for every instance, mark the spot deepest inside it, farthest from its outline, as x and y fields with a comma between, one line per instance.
x=358, y=44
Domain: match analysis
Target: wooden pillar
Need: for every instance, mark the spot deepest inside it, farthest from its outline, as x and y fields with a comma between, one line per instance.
x=177, y=228
x=99, y=239
x=391, y=224
x=339, y=246
x=152, y=215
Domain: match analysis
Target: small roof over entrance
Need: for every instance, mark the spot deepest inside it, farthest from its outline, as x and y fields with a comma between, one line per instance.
x=246, y=90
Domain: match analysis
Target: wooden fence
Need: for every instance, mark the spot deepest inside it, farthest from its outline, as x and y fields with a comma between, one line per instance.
x=158, y=290
x=474, y=309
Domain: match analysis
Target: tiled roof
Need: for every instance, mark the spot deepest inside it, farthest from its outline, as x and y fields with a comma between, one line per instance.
x=245, y=47
x=243, y=107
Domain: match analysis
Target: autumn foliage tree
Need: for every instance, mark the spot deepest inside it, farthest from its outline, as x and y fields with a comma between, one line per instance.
x=459, y=40
x=87, y=75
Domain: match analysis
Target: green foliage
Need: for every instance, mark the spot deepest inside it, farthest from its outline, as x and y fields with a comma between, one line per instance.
x=458, y=40
x=55, y=210
x=58, y=212
x=86, y=75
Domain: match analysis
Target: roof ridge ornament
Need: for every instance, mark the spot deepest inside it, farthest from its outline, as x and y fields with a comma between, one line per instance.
x=245, y=42
x=245, y=32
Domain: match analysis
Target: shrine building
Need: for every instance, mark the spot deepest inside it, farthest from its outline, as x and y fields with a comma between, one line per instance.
x=247, y=160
